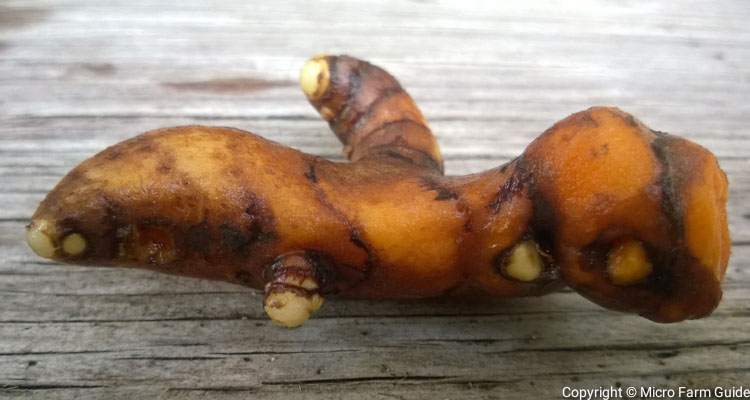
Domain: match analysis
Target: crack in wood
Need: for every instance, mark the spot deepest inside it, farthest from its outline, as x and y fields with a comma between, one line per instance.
x=401, y=379
x=162, y=358
x=618, y=348
x=55, y=353
x=41, y=386
x=271, y=352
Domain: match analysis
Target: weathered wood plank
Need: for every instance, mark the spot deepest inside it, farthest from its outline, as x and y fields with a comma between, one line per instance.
x=516, y=348
x=540, y=386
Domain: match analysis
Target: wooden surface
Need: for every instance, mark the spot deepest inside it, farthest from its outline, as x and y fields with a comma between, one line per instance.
x=76, y=76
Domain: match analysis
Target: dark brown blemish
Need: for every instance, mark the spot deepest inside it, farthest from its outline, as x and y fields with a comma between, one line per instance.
x=600, y=150
x=17, y=17
x=362, y=116
x=410, y=155
x=122, y=233
x=594, y=255
x=228, y=85
x=662, y=280
x=323, y=270
x=103, y=232
x=299, y=266
x=261, y=220
x=68, y=225
x=356, y=238
x=334, y=79
x=387, y=87
x=354, y=276
x=260, y=235
x=578, y=121
x=246, y=278
x=143, y=144
x=442, y=192
x=445, y=194
x=395, y=154
x=514, y=184
x=402, y=125
x=465, y=211
x=166, y=163
x=153, y=238
x=631, y=121
x=342, y=121
x=75, y=175
x=164, y=168
x=236, y=172
x=218, y=154
x=670, y=203
x=371, y=260
x=115, y=228
x=198, y=237
x=544, y=221
x=653, y=191
x=234, y=239
x=279, y=287
x=507, y=164
x=310, y=174
x=155, y=222
x=567, y=136
x=319, y=78
x=113, y=153
x=584, y=119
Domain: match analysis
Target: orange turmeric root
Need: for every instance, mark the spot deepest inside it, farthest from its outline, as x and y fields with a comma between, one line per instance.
x=631, y=218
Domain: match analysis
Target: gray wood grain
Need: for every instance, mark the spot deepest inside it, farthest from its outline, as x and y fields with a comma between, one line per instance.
x=79, y=75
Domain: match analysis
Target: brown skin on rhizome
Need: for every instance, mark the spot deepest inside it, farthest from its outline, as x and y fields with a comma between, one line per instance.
x=633, y=219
